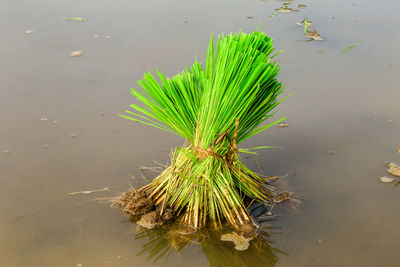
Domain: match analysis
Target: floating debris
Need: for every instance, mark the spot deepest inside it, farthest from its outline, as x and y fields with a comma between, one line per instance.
x=74, y=135
x=283, y=9
x=96, y=36
x=276, y=12
x=76, y=54
x=44, y=119
x=186, y=22
x=331, y=152
x=386, y=179
x=282, y=124
x=105, y=189
x=320, y=52
x=350, y=47
x=29, y=31
x=302, y=6
x=6, y=152
x=55, y=122
x=249, y=17
x=314, y=35
x=45, y=145
x=78, y=19
x=108, y=36
x=319, y=241
x=241, y=242
x=393, y=169
x=304, y=21
x=286, y=10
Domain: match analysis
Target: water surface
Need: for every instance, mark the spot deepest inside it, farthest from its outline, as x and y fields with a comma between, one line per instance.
x=343, y=125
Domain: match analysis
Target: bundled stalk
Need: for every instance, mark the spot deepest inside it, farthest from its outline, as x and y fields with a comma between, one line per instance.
x=214, y=108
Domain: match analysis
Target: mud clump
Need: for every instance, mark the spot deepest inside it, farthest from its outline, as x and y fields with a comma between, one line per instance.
x=135, y=203
x=142, y=209
x=248, y=230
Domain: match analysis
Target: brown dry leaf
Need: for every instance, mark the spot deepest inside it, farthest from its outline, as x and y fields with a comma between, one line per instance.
x=398, y=149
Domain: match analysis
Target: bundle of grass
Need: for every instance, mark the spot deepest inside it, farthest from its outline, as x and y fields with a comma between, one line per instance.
x=214, y=108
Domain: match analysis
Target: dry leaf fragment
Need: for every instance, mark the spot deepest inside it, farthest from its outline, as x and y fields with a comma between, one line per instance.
x=393, y=169
x=386, y=179
x=314, y=35
x=29, y=31
x=76, y=54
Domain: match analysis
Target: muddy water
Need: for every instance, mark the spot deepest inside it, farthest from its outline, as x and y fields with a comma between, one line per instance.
x=343, y=125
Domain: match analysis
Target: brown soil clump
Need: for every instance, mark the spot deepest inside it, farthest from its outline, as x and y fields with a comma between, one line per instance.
x=135, y=203
x=248, y=230
x=142, y=209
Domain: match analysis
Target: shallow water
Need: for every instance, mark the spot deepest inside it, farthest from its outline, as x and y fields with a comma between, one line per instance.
x=347, y=103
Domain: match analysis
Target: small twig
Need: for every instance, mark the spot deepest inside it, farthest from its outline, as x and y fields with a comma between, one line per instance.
x=105, y=189
x=162, y=165
x=154, y=169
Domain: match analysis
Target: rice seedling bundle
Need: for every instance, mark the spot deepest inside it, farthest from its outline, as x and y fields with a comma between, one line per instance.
x=214, y=108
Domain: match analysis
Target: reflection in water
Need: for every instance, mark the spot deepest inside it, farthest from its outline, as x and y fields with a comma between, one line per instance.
x=165, y=240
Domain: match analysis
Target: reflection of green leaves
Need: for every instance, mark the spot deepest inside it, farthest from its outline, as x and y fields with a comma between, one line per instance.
x=161, y=242
x=165, y=240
